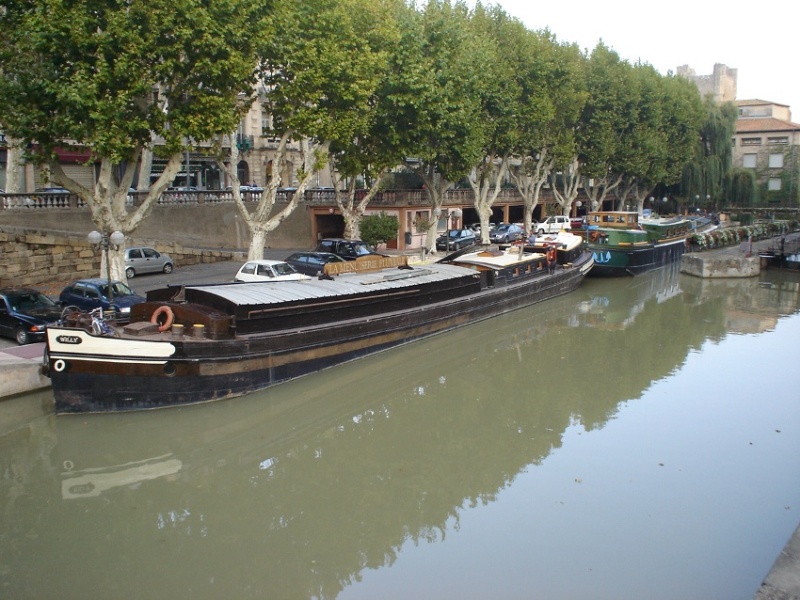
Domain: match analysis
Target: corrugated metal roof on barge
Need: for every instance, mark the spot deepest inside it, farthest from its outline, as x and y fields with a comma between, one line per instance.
x=348, y=284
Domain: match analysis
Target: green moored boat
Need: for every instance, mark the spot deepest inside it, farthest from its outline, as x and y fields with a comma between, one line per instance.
x=624, y=243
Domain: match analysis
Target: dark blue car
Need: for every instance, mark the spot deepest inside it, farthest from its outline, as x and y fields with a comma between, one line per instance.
x=25, y=313
x=88, y=294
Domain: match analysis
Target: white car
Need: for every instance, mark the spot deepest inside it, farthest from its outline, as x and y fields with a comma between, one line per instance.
x=554, y=225
x=268, y=270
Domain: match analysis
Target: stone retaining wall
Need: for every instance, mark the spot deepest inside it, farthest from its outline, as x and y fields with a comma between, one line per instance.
x=711, y=265
x=34, y=258
x=193, y=225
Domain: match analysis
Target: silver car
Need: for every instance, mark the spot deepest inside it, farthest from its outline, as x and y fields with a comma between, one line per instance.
x=146, y=260
x=506, y=233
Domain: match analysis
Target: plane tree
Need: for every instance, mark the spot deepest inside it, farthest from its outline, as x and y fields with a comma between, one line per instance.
x=113, y=76
x=638, y=129
x=318, y=71
x=498, y=36
x=608, y=116
x=361, y=158
x=641, y=155
x=553, y=81
x=668, y=128
x=441, y=120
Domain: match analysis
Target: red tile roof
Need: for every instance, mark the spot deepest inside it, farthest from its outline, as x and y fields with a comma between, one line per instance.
x=757, y=102
x=766, y=125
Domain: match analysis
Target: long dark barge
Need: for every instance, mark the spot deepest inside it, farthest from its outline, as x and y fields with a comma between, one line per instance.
x=198, y=343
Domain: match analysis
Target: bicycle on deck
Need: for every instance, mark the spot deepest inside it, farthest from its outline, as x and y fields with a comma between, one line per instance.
x=96, y=321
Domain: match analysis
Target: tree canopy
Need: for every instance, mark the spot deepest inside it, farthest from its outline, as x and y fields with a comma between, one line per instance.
x=449, y=91
x=115, y=76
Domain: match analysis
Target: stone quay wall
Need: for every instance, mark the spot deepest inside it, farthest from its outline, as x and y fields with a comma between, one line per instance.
x=207, y=225
x=35, y=259
x=48, y=245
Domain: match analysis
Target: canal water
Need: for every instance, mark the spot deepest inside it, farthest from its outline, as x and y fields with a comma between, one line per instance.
x=638, y=438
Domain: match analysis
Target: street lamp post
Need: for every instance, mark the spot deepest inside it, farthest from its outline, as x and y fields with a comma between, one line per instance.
x=104, y=241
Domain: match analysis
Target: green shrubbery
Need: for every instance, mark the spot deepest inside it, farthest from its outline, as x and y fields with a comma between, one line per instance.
x=378, y=229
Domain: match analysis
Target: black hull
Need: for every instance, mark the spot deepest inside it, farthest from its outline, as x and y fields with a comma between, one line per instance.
x=775, y=260
x=207, y=370
x=623, y=262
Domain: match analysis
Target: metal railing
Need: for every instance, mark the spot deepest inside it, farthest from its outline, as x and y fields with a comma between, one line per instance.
x=312, y=197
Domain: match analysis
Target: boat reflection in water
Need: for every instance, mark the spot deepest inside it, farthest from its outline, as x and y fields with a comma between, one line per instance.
x=300, y=491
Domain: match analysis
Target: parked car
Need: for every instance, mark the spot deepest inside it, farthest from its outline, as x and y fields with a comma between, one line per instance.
x=455, y=239
x=312, y=263
x=476, y=227
x=554, y=224
x=25, y=313
x=267, y=270
x=246, y=188
x=347, y=249
x=51, y=190
x=88, y=294
x=506, y=233
x=146, y=260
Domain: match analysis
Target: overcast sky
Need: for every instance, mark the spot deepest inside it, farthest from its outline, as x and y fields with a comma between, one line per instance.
x=759, y=39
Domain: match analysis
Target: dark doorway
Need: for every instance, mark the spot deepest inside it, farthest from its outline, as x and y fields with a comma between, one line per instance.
x=331, y=225
x=243, y=172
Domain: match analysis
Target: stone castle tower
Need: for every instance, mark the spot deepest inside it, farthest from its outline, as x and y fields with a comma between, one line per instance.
x=721, y=85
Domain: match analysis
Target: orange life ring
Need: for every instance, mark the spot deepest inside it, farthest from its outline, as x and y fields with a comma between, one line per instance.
x=170, y=317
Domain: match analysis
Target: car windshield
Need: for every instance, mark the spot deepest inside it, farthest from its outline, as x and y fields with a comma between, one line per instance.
x=119, y=289
x=29, y=301
x=361, y=249
x=284, y=269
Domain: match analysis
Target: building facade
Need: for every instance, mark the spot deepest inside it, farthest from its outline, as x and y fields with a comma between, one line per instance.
x=768, y=142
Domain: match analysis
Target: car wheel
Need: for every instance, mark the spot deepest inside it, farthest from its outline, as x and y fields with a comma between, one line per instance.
x=22, y=336
x=130, y=273
x=168, y=268
x=541, y=230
